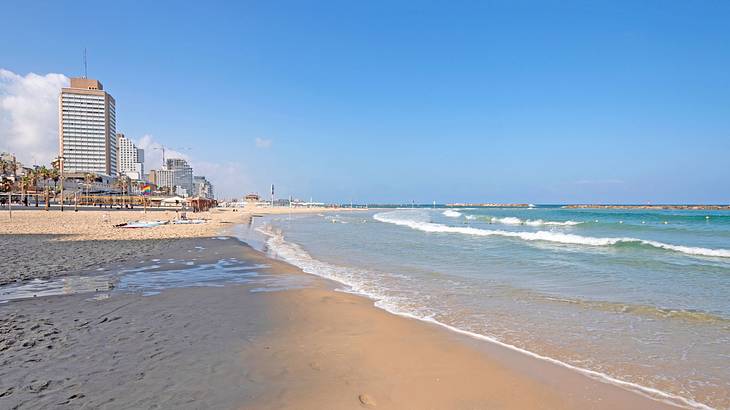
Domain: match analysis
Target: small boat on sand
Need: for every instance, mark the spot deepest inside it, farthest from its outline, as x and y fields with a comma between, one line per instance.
x=141, y=224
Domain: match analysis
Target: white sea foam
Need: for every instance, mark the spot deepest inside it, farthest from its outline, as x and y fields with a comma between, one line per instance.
x=366, y=283
x=451, y=213
x=511, y=220
x=546, y=236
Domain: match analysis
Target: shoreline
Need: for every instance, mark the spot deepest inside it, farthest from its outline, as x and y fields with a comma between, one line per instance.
x=42, y=245
x=296, y=310
x=655, y=394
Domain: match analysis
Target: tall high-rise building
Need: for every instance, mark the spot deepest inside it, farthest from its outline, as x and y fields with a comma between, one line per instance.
x=130, y=159
x=87, y=128
x=182, y=174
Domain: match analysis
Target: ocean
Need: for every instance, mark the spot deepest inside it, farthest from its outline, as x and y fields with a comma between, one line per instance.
x=639, y=298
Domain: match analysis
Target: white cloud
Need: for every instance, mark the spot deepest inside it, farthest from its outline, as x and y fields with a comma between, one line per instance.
x=263, y=143
x=29, y=115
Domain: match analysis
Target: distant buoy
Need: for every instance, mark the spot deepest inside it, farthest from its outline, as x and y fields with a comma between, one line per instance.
x=620, y=222
x=643, y=222
x=665, y=222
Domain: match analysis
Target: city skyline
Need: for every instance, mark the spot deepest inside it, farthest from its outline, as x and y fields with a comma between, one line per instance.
x=594, y=107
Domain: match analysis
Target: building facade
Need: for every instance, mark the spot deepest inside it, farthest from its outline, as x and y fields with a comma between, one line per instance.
x=163, y=178
x=202, y=188
x=182, y=175
x=130, y=159
x=87, y=128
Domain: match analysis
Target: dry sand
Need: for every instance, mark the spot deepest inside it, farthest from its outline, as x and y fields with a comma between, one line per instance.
x=228, y=347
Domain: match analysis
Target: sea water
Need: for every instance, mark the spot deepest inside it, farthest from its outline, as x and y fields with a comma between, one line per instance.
x=639, y=298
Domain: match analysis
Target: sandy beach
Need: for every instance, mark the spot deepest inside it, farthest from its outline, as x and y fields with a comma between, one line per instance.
x=39, y=244
x=303, y=346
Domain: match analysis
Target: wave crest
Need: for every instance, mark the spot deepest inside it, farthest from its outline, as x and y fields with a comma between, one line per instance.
x=557, y=237
x=511, y=220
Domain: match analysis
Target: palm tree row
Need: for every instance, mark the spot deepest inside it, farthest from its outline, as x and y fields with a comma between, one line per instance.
x=29, y=181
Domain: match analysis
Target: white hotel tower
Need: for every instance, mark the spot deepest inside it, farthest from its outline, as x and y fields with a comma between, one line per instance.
x=87, y=128
x=130, y=159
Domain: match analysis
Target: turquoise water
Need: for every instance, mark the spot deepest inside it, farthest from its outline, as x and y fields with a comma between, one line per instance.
x=640, y=297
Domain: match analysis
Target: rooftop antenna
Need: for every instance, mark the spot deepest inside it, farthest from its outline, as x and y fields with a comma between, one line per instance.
x=86, y=71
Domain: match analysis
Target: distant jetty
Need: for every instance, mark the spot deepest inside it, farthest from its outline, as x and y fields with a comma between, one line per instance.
x=460, y=205
x=669, y=207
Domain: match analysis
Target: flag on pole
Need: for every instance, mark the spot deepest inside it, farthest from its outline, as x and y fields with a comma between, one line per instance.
x=146, y=189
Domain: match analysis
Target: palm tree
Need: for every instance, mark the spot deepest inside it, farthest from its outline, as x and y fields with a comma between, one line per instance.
x=123, y=184
x=27, y=181
x=88, y=180
x=54, y=175
x=43, y=174
x=34, y=175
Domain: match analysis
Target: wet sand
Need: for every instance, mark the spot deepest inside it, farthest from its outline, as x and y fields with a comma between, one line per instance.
x=40, y=244
x=229, y=347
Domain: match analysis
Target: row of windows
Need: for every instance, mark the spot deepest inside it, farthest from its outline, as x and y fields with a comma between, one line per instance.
x=76, y=122
x=73, y=138
x=87, y=118
x=86, y=112
x=77, y=133
x=83, y=152
x=84, y=146
x=83, y=96
x=71, y=101
x=83, y=104
x=83, y=165
x=83, y=108
x=75, y=106
x=84, y=127
x=79, y=106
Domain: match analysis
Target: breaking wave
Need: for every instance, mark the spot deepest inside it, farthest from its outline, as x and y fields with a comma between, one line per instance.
x=557, y=237
x=511, y=220
x=451, y=213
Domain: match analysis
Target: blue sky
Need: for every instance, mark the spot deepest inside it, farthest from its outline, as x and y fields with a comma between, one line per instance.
x=543, y=102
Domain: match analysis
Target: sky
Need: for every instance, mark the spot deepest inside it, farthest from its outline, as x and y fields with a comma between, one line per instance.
x=458, y=101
